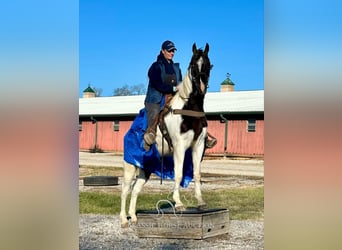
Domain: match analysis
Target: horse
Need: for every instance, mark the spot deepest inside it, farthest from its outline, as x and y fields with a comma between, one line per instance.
x=187, y=128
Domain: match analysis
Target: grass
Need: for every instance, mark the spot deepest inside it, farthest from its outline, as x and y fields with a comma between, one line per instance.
x=242, y=203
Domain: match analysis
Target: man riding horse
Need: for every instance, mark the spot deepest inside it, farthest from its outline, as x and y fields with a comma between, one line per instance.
x=164, y=76
x=185, y=121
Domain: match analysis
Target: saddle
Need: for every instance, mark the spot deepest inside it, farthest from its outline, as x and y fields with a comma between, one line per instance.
x=166, y=109
x=150, y=133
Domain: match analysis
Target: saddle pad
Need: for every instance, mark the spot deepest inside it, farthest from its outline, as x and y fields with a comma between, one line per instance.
x=134, y=153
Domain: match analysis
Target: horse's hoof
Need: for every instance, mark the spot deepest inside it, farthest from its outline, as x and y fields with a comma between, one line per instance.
x=202, y=207
x=134, y=220
x=124, y=225
x=180, y=208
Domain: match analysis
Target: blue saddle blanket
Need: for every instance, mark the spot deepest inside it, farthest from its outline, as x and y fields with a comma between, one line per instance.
x=134, y=153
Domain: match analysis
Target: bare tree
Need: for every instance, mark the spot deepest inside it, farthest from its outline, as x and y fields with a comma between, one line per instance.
x=98, y=91
x=130, y=90
x=137, y=89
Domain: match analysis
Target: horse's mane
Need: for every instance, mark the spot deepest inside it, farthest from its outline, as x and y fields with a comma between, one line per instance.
x=194, y=75
x=184, y=87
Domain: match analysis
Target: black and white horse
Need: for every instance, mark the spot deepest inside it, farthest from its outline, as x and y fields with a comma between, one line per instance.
x=186, y=129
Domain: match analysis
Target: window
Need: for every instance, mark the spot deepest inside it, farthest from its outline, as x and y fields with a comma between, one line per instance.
x=116, y=125
x=251, y=124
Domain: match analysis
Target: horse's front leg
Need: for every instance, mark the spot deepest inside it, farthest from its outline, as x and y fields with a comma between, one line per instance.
x=197, y=152
x=140, y=182
x=178, y=157
x=129, y=173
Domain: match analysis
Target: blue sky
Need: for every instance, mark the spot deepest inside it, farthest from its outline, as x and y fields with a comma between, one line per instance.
x=118, y=40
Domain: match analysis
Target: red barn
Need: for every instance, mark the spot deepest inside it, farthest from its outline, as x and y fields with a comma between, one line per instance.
x=235, y=118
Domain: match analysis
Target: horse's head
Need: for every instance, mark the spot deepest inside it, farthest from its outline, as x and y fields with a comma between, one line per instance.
x=200, y=70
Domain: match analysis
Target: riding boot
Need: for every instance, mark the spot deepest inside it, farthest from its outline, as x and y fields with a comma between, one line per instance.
x=210, y=143
x=150, y=134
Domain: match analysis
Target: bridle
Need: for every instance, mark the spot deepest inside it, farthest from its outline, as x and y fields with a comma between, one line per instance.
x=200, y=75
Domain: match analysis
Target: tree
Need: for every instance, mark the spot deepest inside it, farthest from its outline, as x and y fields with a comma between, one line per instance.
x=137, y=89
x=123, y=91
x=126, y=90
x=98, y=91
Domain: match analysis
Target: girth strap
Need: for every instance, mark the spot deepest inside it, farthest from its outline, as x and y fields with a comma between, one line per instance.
x=168, y=109
x=187, y=112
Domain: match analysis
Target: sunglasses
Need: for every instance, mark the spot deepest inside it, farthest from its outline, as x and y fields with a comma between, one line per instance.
x=171, y=51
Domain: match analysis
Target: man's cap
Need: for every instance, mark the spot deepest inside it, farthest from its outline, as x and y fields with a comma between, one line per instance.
x=168, y=45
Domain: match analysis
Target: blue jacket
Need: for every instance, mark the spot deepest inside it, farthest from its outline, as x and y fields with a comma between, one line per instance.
x=158, y=85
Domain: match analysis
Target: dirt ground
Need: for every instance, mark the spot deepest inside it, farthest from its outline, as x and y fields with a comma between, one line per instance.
x=209, y=182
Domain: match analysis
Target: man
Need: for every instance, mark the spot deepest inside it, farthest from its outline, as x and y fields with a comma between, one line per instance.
x=164, y=76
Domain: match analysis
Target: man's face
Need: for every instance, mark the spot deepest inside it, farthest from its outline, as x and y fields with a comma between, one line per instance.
x=168, y=54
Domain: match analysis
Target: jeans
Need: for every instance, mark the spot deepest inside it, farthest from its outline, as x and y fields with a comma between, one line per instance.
x=152, y=110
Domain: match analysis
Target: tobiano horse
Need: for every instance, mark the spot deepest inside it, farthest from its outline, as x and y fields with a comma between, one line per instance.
x=187, y=128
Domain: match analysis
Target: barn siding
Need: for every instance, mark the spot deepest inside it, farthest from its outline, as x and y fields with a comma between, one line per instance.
x=86, y=136
x=216, y=129
x=240, y=142
x=107, y=138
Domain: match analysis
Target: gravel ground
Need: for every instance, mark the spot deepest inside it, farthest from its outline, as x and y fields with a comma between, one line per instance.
x=104, y=232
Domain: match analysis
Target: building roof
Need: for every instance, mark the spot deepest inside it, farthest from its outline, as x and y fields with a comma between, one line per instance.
x=227, y=82
x=234, y=102
x=89, y=90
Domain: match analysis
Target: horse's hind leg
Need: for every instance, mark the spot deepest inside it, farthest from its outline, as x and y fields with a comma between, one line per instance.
x=129, y=173
x=140, y=182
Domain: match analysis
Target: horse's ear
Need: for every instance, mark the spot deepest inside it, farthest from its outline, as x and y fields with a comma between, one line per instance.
x=194, y=48
x=206, y=50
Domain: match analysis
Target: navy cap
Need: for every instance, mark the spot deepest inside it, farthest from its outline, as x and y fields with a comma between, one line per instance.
x=168, y=45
